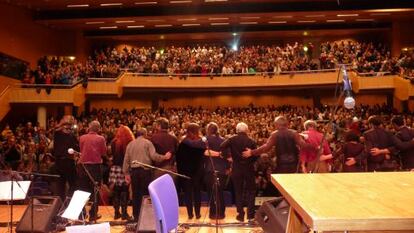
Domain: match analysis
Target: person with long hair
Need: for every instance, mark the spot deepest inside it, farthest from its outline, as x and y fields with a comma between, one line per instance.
x=119, y=186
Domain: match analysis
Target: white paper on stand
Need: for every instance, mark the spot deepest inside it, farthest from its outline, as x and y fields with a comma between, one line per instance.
x=101, y=228
x=76, y=204
x=20, y=189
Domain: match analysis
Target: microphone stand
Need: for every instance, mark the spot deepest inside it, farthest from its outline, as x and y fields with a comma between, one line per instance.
x=160, y=169
x=333, y=111
x=215, y=184
x=96, y=188
x=12, y=177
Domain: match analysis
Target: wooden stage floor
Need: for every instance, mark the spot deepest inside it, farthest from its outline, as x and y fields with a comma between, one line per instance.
x=107, y=215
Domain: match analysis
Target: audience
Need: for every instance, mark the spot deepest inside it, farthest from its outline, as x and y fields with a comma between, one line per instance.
x=33, y=143
x=207, y=60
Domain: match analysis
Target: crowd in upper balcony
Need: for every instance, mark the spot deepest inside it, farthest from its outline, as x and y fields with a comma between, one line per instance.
x=205, y=60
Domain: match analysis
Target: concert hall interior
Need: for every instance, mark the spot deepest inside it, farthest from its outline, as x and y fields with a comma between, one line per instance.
x=206, y=116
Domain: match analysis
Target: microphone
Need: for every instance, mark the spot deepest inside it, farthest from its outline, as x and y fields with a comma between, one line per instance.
x=71, y=151
x=349, y=101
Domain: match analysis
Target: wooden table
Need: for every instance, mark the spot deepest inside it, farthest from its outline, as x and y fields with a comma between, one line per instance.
x=349, y=201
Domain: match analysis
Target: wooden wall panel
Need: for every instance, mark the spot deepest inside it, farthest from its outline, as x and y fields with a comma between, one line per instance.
x=27, y=40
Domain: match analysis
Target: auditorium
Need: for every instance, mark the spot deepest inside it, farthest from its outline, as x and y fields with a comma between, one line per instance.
x=247, y=116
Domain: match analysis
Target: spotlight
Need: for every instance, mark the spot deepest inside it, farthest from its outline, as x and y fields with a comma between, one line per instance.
x=305, y=48
x=234, y=47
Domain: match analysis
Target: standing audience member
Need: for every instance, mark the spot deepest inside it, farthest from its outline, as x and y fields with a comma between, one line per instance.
x=92, y=147
x=243, y=172
x=117, y=182
x=64, y=139
x=141, y=150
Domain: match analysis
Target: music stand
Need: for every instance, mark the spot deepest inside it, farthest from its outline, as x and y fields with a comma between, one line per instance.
x=76, y=204
x=9, y=193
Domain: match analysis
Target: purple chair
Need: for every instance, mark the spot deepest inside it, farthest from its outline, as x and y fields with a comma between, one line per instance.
x=165, y=203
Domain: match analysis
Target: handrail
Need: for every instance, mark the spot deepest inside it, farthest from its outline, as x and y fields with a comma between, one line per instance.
x=233, y=74
x=61, y=86
x=373, y=73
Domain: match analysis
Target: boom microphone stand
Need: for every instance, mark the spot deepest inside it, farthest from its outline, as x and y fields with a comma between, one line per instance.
x=159, y=169
x=216, y=182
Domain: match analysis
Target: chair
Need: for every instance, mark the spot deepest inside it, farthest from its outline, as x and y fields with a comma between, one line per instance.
x=165, y=203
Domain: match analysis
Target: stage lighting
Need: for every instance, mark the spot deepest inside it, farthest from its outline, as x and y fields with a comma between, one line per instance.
x=234, y=47
x=305, y=48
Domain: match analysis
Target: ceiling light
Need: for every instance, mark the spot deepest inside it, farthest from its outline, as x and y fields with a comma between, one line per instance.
x=314, y=16
x=163, y=25
x=234, y=34
x=364, y=20
x=306, y=21
x=135, y=26
x=109, y=27
x=250, y=17
x=348, y=15
x=180, y=1
x=283, y=16
x=145, y=3
x=95, y=22
x=246, y=23
x=125, y=21
x=217, y=24
x=277, y=22
x=335, y=20
x=77, y=5
x=191, y=24
x=218, y=18
x=189, y=19
x=391, y=10
x=215, y=0
x=111, y=4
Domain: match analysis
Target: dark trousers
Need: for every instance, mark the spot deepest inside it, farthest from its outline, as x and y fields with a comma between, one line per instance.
x=211, y=188
x=244, y=184
x=283, y=168
x=86, y=184
x=140, y=179
x=192, y=193
x=66, y=169
x=120, y=198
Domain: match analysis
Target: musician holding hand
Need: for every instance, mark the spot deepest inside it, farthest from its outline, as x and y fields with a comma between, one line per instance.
x=63, y=139
x=141, y=150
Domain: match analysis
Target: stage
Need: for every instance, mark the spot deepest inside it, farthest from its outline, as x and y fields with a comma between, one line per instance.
x=107, y=216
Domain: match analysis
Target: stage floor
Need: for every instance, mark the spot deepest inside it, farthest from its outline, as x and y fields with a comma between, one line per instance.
x=107, y=215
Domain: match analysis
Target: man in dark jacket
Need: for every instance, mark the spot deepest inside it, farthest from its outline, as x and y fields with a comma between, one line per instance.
x=379, y=145
x=403, y=141
x=243, y=173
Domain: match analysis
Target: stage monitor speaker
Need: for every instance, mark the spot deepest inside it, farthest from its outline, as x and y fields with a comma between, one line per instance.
x=272, y=216
x=45, y=209
x=146, y=220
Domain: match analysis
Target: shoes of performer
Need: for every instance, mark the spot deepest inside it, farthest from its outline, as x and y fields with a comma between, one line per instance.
x=190, y=216
x=198, y=216
x=94, y=219
x=219, y=217
x=117, y=215
x=252, y=221
x=126, y=217
x=240, y=217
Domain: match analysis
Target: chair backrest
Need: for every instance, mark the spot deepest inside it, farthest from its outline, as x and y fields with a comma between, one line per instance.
x=165, y=203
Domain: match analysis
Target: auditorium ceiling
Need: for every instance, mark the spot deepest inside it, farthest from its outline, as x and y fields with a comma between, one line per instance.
x=125, y=18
